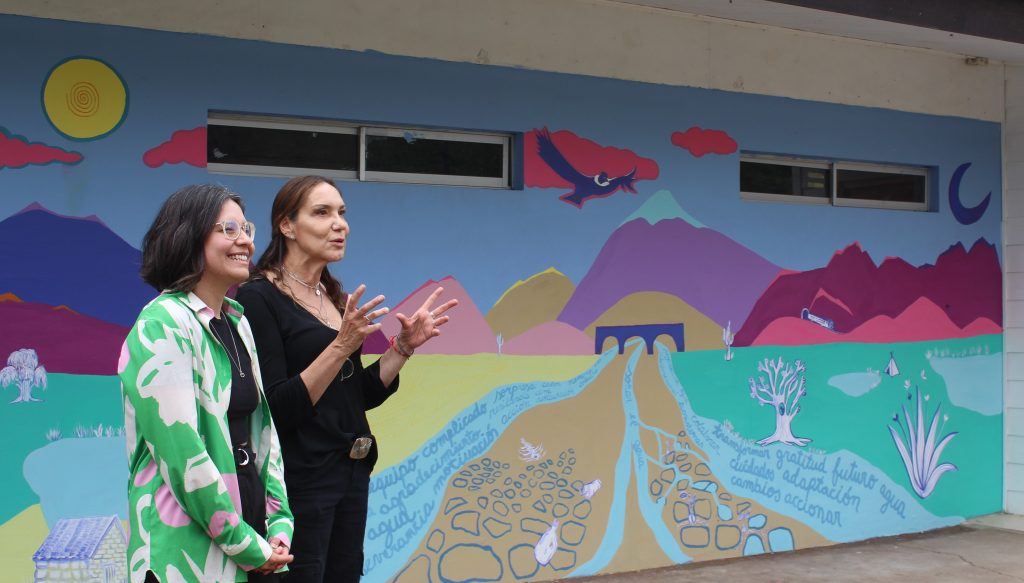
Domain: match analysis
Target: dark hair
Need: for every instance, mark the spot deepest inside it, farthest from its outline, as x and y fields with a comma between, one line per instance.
x=172, y=250
x=286, y=205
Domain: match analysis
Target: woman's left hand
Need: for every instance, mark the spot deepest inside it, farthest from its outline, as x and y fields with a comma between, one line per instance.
x=423, y=324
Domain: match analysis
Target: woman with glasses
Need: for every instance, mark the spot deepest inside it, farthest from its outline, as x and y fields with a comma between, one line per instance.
x=309, y=334
x=206, y=489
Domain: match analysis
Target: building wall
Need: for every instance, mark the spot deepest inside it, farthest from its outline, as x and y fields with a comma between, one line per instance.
x=587, y=37
x=1013, y=228
x=496, y=447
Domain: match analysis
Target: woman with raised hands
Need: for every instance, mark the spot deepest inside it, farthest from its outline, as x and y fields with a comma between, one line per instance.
x=309, y=335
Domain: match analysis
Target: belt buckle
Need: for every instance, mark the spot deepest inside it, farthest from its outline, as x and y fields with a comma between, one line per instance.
x=238, y=460
x=360, y=447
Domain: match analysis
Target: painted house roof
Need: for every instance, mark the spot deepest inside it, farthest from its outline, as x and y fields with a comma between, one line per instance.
x=76, y=538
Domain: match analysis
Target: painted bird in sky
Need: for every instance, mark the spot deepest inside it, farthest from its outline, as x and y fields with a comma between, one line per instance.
x=584, y=187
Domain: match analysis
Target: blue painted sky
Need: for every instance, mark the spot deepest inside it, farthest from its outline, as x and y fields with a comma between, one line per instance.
x=403, y=235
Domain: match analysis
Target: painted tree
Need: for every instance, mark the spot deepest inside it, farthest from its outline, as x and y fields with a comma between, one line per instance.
x=727, y=338
x=23, y=369
x=781, y=386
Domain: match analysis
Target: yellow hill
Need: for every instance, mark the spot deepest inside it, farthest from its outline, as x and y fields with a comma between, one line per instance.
x=702, y=333
x=20, y=537
x=529, y=303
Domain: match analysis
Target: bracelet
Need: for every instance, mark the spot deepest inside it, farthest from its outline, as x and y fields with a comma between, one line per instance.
x=397, y=346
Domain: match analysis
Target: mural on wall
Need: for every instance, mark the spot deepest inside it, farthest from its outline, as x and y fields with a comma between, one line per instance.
x=699, y=142
x=600, y=172
x=18, y=152
x=185, y=146
x=84, y=98
x=965, y=215
x=524, y=445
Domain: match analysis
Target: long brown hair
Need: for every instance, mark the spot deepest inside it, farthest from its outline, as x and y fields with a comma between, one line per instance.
x=286, y=205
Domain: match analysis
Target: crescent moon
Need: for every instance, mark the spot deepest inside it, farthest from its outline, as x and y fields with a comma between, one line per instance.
x=965, y=215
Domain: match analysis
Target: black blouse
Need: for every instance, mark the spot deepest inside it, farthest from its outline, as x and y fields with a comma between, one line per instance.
x=315, y=440
x=244, y=395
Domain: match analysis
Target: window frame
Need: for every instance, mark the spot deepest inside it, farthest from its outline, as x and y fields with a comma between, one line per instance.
x=882, y=168
x=271, y=123
x=504, y=181
x=362, y=131
x=786, y=161
x=834, y=166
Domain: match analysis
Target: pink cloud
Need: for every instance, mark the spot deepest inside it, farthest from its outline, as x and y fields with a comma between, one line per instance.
x=699, y=142
x=586, y=156
x=188, y=146
x=18, y=152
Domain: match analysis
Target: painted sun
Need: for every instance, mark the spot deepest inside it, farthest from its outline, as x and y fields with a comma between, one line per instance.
x=84, y=98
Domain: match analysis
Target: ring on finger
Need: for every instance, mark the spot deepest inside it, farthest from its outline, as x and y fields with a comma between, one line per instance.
x=369, y=322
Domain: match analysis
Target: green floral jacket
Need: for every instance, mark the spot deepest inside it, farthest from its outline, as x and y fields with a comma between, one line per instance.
x=183, y=498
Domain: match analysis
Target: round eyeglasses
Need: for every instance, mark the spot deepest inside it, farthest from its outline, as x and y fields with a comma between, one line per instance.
x=232, y=229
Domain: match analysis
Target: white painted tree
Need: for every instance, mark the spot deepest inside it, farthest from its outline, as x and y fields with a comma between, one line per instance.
x=782, y=389
x=23, y=369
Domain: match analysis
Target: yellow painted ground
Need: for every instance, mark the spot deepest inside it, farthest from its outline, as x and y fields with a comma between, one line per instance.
x=20, y=537
x=435, y=388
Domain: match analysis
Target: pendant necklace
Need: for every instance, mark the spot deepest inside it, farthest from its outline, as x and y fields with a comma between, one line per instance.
x=237, y=361
x=313, y=288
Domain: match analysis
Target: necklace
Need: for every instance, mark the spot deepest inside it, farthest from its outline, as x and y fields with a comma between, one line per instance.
x=313, y=288
x=316, y=312
x=237, y=362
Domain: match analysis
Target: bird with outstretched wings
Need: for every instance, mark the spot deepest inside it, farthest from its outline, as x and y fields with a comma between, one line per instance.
x=584, y=187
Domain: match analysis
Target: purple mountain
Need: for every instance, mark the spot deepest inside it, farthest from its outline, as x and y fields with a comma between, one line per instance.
x=711, y=272
x=851, y=289
x=77, y=262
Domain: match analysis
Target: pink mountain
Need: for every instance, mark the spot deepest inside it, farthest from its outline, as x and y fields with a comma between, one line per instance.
x=466, y=333
x=851, y=290
x=550, y=338
x=922, y=320
x=64, y=340
x=711, y=272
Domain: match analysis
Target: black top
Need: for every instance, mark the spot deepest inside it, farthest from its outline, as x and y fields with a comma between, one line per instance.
x=244, y=397
x=315, y=440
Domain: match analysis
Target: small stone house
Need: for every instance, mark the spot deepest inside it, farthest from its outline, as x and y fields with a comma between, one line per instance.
x=83, y=549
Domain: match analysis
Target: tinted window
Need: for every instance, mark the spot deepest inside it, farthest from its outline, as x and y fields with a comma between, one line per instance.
x=784, y=179
x=410, y=155
x=880, y=186
x=285, y=148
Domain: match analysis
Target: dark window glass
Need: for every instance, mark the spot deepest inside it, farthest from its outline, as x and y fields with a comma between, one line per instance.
x=783, y=179
x=287, y=148
x=412, y=155
x=880, y=186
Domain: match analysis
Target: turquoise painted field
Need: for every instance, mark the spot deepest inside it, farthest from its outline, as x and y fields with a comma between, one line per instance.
x=70, y=403
x=835, y=420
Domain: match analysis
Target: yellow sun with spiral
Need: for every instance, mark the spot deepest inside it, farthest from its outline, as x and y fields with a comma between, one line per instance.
x=84, y=98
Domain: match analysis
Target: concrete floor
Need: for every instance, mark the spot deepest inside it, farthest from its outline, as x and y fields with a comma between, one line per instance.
x=986, y=550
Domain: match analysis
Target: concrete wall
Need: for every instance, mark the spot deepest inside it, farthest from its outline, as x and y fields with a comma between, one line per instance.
x=1013, y=233
x=589, y=37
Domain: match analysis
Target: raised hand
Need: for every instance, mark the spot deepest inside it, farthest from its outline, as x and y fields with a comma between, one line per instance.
x=357, y=322
x=423, y=324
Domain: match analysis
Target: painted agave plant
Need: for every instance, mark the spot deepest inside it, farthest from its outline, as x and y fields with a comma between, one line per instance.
x=918, y=449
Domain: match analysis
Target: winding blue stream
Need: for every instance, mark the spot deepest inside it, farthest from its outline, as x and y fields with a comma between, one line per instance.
x=405, y=498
